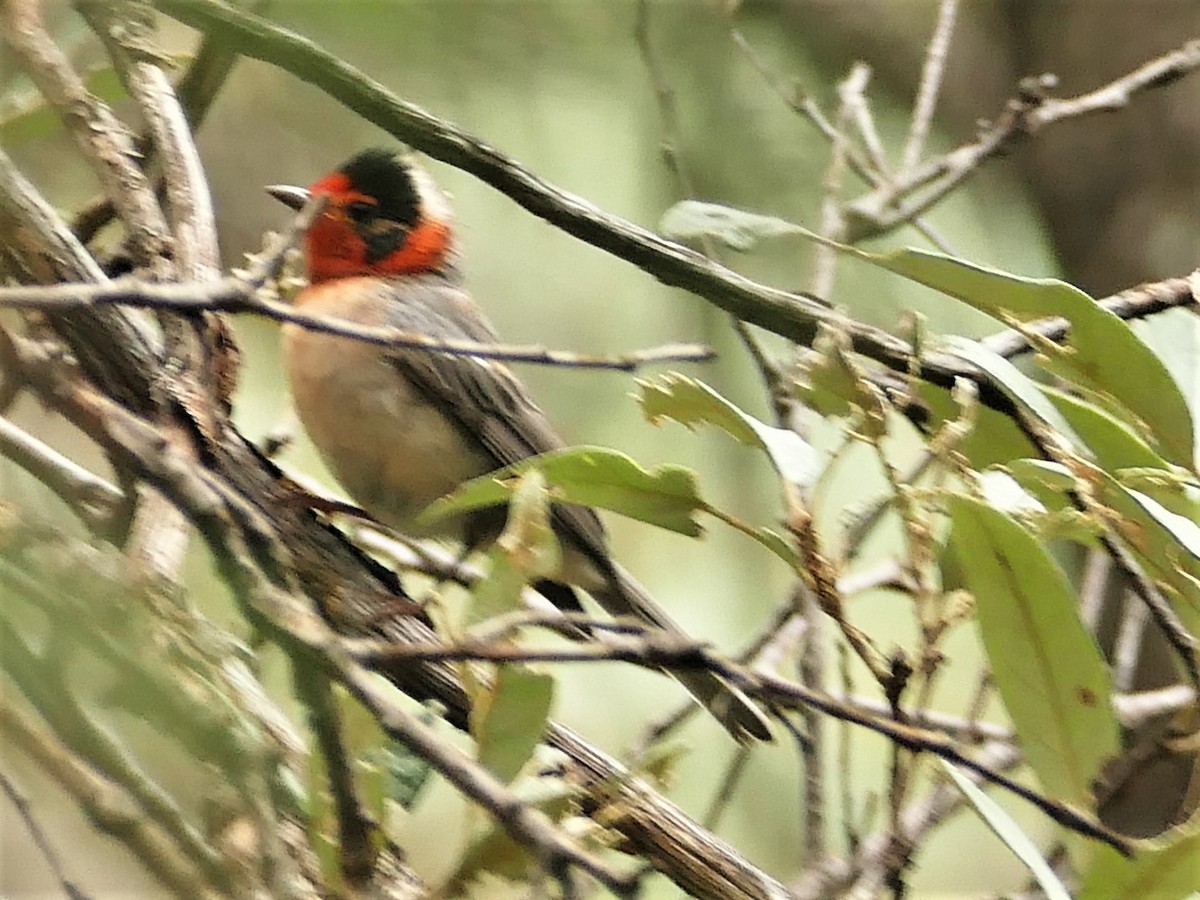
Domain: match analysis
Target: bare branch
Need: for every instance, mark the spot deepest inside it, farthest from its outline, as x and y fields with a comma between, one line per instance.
x=39, y=838
x=107, y=805
x=889, y=205
x=1138, y=302
x=931, y=84
x=1160, y=72
x=356, y=829
x=238, y=296
x=91, y=498
x=126, y=35
x=103, y=140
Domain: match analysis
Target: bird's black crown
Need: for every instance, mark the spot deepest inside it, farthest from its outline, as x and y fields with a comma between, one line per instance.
x=385, y=175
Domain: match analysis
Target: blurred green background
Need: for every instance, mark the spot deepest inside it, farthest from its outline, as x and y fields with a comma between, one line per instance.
x=560, y=86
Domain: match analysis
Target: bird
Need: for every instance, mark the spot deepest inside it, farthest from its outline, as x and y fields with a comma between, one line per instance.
x=400, y=427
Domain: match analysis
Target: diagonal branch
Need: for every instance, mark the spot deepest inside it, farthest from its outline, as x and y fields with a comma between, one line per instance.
x=103, y=139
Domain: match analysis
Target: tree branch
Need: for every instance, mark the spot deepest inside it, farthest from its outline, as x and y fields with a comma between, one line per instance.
x=238, y=296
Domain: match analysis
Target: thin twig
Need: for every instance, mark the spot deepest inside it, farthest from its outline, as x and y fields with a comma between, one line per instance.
x=1169, y=622
x=1093, y=588
x=229, y=295
x=845, y=764
x=833, y=223
x=668, y=116
x=196, y=90
x=1127, y=650
x=776, y=639
x=127, y=39
x=356, y=830
x=105, y=803
x=669, y=652
x=931, y=84
x=800, y=102
x=858, y=111
x=887, y=205
x=727, y=787
x=868, y=867
x=810, y=669
x=40, y=840
x=1138, y=302
x=236, y=295
x=1135, y=710
x=90, y=497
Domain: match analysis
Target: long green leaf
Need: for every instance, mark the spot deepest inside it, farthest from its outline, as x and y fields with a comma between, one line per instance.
x=1167, y=545
x=1047, y=667
x=1019, y=388
x=666, y=496
x=1010, y=832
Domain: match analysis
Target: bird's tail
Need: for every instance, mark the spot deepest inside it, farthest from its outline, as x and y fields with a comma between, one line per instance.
x=621, y=595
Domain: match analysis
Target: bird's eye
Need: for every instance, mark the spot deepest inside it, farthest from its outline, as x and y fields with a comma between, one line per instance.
x=360, y=210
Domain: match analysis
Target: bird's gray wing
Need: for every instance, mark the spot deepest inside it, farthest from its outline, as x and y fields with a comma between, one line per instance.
x=483, y=397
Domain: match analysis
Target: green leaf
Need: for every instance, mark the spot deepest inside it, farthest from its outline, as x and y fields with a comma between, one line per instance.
x=777, y=544
x=692, y=402
x=660, y=760
x=735, y=228
x=995, y=437
x=499, y=592
x=1114, y=444
x=528, y=538
x=1103, y=354
x=1167, y=545
x=1041, y=477
x=1162, y=868
x=509, y=719
x=1010, y=833
x=1047, y=668
x=1017, y=386
x=666, y=496
x=405, y=774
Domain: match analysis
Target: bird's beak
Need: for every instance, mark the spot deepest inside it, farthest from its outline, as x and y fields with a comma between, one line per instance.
x=292, y=197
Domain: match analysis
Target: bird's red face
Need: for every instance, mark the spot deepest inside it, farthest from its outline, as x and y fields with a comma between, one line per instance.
x=383, y=216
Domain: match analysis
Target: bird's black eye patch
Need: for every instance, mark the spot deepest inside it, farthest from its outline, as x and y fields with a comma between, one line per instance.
x=383, y=237
x=361, y=212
